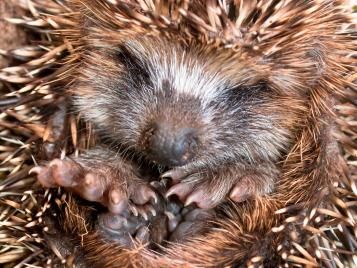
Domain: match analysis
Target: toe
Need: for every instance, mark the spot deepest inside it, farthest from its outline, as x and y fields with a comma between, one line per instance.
x=240, y=192
x=114, y=222
x=44, y=176
x=117, y=201
x=65, y=172
x=91, y=187
x=143, y=213
x=198, y=214
x=182, y=230
x=143, y=234
x=120, y=223
x=173, y=220
x=143, y=194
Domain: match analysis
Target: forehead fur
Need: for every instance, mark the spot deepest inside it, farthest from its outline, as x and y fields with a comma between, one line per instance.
x=292, y=42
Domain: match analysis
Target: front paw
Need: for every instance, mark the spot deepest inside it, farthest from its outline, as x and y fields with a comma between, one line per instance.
x=210, y=188
x=117, y=189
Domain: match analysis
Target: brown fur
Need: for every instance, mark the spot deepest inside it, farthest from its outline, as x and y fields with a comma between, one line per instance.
x=305, y=53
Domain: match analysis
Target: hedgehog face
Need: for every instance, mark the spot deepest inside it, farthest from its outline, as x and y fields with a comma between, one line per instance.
x=175, y=104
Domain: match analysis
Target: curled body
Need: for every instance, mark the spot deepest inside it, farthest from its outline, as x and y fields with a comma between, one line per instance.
x=206, y=114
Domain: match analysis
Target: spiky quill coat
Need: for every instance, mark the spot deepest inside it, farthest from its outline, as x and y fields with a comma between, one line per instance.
x=310, y=217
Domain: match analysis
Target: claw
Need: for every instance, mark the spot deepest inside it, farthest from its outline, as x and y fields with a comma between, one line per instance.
x=201, y=199
x=154, y=198
x=35, y=170
x=143, y=194
x=167, y=174
x=151, y=210
x=143, y=214
x=156, y=184
x=159, y=185
x=134, y=210
x=189, y=201
x=169, y=215
x=181, y=190
x=176, y=175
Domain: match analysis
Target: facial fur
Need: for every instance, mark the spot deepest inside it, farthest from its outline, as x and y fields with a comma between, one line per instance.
x=144, y=81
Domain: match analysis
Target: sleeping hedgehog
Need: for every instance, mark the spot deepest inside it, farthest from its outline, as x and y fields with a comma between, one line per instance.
x=210, y=118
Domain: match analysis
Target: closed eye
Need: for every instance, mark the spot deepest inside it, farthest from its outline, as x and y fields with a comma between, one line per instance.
x=133, y=66
x=245, y=93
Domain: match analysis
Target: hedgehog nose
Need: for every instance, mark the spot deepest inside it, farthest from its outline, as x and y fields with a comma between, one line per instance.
x=172, y=146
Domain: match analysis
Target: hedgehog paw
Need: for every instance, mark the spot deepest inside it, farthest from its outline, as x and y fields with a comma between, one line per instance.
x=208, y=190
x=116, y=189
x=124, y=228
x=193, y=221
x=129, y=229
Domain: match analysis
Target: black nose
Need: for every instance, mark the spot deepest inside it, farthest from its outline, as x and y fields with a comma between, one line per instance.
x=172, y=146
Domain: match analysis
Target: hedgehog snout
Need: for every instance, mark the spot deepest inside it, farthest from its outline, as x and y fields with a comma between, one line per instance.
x=170, y=145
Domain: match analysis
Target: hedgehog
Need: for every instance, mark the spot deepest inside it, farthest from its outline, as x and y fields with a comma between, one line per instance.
x=214, y=129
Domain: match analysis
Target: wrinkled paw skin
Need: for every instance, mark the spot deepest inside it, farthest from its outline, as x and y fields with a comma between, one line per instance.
x=207, y=190
x=171, y=222
x=124, y=228
x=190, y=222
x=116, y=189
x=130, y=227
x=128, y=230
